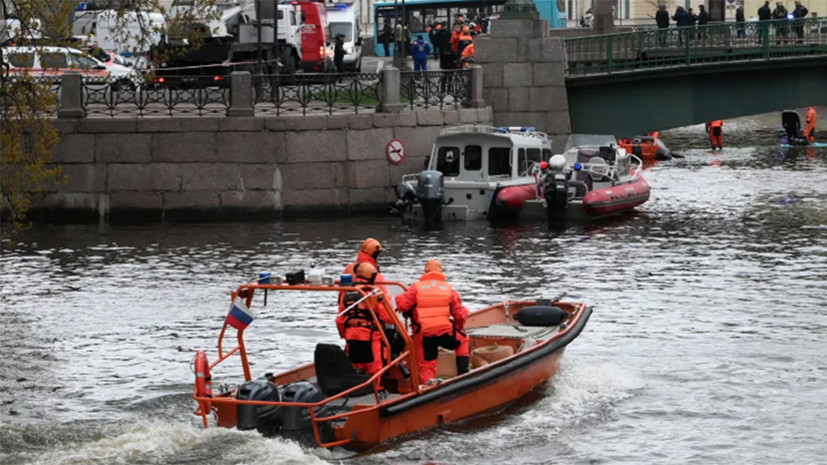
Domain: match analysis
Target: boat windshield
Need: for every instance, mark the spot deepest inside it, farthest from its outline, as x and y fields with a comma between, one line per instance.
x=586, y=140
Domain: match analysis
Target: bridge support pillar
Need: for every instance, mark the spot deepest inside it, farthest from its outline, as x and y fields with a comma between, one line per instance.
x=524, y=77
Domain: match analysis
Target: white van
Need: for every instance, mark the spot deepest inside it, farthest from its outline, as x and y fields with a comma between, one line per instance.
x=130, y=33
x=344, y=19
x=50, y=63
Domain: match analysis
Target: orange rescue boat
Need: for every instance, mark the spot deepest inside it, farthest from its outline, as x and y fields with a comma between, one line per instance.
x=647, y=147
x=329, y=403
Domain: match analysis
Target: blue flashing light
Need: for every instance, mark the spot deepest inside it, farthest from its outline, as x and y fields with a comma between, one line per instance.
x=503, y=130
x=345, y=280
x=790, y=16
x=578, y=167
x=528, y=128
x=264, y=278
x=341, y=6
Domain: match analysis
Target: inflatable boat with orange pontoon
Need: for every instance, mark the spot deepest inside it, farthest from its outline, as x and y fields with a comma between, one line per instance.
x=516, y=345
x=647, y=147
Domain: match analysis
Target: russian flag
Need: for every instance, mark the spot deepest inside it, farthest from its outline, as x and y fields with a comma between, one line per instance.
x=240, y=316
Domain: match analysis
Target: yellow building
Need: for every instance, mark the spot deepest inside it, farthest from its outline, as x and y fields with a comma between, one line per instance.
x=642, y=12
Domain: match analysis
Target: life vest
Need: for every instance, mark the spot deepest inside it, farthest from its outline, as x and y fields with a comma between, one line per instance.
x=433, y=303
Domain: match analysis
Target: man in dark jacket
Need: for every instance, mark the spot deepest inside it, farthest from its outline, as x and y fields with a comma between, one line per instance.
x=339, y=53
x=681, y=18
x=739, y=21
x=662, y=19
x=779, y=13
x=703, y=20
x=447, y=59
x=764, y=13
x=799, y=13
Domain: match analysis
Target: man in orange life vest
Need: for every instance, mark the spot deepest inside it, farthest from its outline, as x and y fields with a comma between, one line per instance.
x=716, y=133
x=438, y=318
x=357, y=327
x=810, y=128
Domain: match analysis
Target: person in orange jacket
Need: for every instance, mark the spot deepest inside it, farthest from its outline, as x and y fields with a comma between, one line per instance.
x=455, y=37
x=810, y=127
x=467, y=54
x=716, y=133
x=363, y=340
x=438, y=319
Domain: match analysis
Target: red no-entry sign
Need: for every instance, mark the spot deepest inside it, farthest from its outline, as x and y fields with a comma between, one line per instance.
x=396, y=151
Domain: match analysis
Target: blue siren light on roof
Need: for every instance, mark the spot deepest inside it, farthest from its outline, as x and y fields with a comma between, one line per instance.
x=578, y=166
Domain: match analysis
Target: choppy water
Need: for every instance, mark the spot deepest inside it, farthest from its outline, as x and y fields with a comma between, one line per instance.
x=705, y=345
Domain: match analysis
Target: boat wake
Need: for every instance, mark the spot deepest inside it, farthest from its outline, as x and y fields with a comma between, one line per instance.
x=153, y=442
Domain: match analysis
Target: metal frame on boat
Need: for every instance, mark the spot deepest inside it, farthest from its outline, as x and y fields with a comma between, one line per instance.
x=363, y=410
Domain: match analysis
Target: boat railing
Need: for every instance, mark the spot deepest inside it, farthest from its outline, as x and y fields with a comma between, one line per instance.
x=247, y=291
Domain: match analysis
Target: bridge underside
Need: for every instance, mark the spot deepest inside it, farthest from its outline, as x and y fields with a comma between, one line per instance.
x=630, y=103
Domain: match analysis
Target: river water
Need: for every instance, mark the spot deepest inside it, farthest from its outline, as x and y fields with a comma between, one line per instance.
x=705, y=346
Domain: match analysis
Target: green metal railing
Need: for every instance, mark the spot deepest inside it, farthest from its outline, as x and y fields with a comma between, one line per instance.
x=685, y=46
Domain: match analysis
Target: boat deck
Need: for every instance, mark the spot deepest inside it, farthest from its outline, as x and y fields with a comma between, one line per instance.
x=513, y=331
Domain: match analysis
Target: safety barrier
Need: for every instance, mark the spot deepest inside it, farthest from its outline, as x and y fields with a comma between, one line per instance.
x=436, y=88
x=686, y=46
x=245, y=95
x=317, y=93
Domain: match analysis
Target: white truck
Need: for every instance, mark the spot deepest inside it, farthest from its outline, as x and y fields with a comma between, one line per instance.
x=344, y=19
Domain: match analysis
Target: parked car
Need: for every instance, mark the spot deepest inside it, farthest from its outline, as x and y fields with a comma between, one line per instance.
x=49, y=63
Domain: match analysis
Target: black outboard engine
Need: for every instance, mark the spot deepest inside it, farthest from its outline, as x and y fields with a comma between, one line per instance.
x=296, y=421
x=791, y=123
x=556, y=190
x=264, y=418
x=430, y=192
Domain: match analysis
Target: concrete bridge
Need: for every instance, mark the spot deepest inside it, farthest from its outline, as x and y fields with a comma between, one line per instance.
x=653, y=79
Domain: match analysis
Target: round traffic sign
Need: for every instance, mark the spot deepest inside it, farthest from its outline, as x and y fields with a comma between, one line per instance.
x=396, y=151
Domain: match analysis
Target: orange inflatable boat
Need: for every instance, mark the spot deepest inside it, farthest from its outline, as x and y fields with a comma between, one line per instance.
x=647, y=147
x=329, y=403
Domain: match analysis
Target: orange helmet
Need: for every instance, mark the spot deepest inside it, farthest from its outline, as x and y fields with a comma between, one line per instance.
x=433, y=265
x=365, y=271
x=466, y=30
x=371, y=247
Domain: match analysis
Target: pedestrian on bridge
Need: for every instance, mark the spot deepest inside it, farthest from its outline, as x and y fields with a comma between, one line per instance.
x=662, y=19
x=703, y=20
x=799, y=13
x=681, y=18
x=739, y=21
x=779, y=14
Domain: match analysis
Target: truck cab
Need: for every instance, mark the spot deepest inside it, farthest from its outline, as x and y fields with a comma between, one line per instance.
x=344, y=19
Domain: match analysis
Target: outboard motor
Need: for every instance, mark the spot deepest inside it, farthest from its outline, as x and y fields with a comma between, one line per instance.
x=405, y=198
x=296, y=422
x=430, y=192
x=791, y=123
x=264, y=418
x=556, y=190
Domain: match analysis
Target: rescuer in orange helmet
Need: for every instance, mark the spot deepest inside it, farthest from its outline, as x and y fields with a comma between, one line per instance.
x=438, y=318
x=356, y=325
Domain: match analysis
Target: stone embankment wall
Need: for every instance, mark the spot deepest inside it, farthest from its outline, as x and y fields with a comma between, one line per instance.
x=124, y=168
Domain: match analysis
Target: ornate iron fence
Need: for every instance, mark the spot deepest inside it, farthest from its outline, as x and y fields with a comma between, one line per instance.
x=684, y=46
x=177, y=96
x=316, y=93
x=425, y=89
